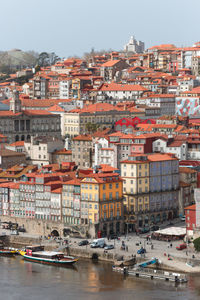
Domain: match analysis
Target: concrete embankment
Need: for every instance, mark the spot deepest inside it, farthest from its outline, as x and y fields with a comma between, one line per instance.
x=177, y=264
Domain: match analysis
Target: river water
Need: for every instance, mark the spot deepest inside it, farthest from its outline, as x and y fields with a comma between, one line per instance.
x=21, y=280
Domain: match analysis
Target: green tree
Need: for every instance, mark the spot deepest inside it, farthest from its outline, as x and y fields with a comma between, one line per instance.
x=197, y=244
x=90, y=127
x=43, y=59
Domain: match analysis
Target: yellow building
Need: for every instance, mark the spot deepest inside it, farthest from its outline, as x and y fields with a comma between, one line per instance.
x=103, y=192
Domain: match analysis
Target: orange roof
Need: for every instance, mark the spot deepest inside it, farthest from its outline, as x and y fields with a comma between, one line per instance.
x=56, y=108
x=191, y=207
x=75, y=181
x=82, y=138
x=187, y=170
x=160, y=157
x=164, y=46
x=97, y=107
x=63, y=151
x=107, y=168
x=57, y=191
x=110, y=63
x=18, y=143
x=121, y=87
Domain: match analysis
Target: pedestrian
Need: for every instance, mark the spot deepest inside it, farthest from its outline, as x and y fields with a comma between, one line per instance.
x=171, y=245
x=186, y=253
x=126, y=248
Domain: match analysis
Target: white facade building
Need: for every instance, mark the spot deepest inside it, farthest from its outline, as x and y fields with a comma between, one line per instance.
x=64, y=89
x=134, y=46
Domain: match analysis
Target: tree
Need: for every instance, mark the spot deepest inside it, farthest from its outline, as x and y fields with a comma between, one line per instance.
x=196, y=243
x=43, y=59
x=47, y=59
x=53, y=58
x=90, y=127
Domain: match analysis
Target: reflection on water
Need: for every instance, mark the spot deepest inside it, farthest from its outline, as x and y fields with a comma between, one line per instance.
x=25, y=280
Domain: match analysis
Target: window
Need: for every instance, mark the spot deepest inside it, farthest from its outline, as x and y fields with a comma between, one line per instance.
x=104, y=197
x=104, y=186
x=117, y=185
x=110, y=196
x=117, y=195
x=110, y=186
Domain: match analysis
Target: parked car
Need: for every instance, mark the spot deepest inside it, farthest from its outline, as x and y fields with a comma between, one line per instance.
x=109, y=247
x=182, y=218
x=181, y=246
x=143, y=230
x=21, y=229
x=113, y=236
x=83, y=243
x=154, y=228
x=141, y=251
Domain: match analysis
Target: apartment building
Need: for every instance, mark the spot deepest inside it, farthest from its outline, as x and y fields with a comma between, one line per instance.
x=150, y=188
x=102, y=192
x=82, y=151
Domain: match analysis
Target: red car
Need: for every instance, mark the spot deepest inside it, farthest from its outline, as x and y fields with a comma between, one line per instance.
x=181, y=247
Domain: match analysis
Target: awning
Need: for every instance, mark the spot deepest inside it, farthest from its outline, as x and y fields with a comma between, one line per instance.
x=177, y=231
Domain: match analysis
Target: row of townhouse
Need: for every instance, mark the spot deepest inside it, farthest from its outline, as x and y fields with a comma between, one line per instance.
x=95, y=200
x=151, y=189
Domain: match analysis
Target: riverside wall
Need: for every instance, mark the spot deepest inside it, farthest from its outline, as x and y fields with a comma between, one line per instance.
x=178, y=264
x=45, y=228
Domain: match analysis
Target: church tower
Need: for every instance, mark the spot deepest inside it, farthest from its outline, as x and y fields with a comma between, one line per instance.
x=15, y=103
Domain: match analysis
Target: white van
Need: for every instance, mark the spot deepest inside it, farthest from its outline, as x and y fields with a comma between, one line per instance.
x=98, y=243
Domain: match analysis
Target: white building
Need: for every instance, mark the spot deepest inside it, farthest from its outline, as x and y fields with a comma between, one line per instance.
x=39, y=150
x=64, y=89
x=134, y=46
x=179, y=148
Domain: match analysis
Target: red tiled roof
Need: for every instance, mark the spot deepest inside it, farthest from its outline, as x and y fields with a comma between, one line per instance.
x=18, y=143
x=83, y=138
x=110, y=63
x=191, y=207
x=56, y=108
x=96, y=108
x=122, y=87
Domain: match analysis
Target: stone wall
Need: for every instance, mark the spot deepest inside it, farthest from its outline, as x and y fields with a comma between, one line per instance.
x=44, y=228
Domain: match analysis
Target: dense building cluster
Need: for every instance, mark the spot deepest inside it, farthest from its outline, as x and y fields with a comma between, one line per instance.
x=105, y=144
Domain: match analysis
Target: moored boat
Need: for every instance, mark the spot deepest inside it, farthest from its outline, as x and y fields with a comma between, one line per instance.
x=7, y=252
x=48, y=257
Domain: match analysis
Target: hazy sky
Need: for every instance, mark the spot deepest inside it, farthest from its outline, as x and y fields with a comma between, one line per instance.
x=74, y=27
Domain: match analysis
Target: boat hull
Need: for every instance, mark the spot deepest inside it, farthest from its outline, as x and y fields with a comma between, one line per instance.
x=49, y=261
x=7, y=253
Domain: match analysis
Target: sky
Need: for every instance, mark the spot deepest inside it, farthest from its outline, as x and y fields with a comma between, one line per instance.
x=74, y=27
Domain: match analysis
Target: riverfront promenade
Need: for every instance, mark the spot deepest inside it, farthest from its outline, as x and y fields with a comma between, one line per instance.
x=160, y=249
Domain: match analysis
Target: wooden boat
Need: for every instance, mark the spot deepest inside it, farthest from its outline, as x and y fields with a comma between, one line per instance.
x=48, y=257
x=7, y=252
x=126, y=263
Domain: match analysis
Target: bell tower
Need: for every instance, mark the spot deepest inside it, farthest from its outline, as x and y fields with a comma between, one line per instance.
x=15, y=103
